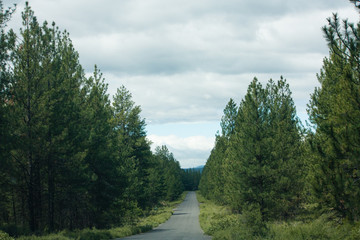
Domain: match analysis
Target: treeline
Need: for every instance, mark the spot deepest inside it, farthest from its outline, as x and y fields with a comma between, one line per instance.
x=70, y=157
x=266, y=166
x=191, y=178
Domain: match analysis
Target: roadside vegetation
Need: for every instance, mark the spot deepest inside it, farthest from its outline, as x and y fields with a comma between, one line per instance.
x=147, y=222
x=223, y=224
x=269, y=177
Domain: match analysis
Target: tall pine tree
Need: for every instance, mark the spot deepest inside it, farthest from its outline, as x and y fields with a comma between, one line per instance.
x=334, y=112
x=215, y=175
x=7, y=43
x=263, y=161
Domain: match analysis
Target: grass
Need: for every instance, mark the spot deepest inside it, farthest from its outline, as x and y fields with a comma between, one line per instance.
x=320, y=228
x=218, y=221
x=221, y=223
x=211, y=215
x=154, y=218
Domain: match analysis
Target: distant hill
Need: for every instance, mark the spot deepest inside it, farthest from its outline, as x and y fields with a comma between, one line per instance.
x=199, y=168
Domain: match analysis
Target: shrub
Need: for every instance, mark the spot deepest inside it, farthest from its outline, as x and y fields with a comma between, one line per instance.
x=253, y=221
x=5, y=236
x=321, y=228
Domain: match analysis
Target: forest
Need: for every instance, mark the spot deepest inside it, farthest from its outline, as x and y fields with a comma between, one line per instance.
x=267, y=167
x=71, y=157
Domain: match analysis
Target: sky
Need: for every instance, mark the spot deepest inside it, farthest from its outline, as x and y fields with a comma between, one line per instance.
x=183, y=60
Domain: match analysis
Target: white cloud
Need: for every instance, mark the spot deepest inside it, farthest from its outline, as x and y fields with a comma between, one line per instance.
x=189, y=151
x=187, y=97
x=199, y=96
x=200, y=143
x=137, y=37
x=183, y=60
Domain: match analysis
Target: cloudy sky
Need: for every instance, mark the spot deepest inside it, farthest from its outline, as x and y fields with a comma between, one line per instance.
x=184, y=59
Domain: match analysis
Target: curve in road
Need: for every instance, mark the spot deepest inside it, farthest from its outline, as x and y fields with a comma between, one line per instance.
x=183, y=224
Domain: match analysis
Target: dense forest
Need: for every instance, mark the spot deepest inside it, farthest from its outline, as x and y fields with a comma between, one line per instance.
x=70, y=156
x=191, y=178
x=267, y=166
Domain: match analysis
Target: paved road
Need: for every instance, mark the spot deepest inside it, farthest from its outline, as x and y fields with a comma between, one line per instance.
x=183, y=224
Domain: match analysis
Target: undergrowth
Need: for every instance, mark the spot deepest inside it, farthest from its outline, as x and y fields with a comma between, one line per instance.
x=153, y=219
x=221, y=223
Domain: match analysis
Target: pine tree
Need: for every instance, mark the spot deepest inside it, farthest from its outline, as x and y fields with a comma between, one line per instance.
x=285, y=157
x=191, y=179
x=214, y=176
x=228, y=120
x=263, y=161
x=28, y=111
x=247, y=169
x=7, y=42
x=172, y=173
x=356, y=3
x=68, y=158
x=334, y=112
x=66, y=133
x=100, y=160
x=133, y=147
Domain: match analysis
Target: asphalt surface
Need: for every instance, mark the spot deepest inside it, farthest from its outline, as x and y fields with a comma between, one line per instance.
x=183, y=224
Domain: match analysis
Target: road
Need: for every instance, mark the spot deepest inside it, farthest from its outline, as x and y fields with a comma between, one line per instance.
x=183, y=224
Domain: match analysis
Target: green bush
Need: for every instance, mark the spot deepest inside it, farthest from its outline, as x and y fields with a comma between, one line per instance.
x=5, y=236
x=354, y=233
x=219, y=222
x=47, y=237
x=94, y=234
x=14, y=230
x=253, y=221
x=321, y=228
x=234, y=233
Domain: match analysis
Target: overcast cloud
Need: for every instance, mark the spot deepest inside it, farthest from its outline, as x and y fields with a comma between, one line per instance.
x=183, y=60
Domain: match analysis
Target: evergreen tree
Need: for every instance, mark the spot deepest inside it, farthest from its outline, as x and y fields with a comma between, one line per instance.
x=47, y=129
x=247, y=169
x=7, y=42
x=28, y=111
x=356, y=3
x=65, y=134
x=68, y=158
x=157, y=189
x=214, y=176
x=191, y=179
x=334, y=112
x=133, y=146
x=172, y=173
x=101, y=162
x=286, y=156
x=263, y=161
x=228, y=120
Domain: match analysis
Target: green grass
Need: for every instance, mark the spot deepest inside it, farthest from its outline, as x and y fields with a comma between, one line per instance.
x=211, y=215
x=153, y=219
x=320, y=228
x=221, y=223
x=218, y=221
